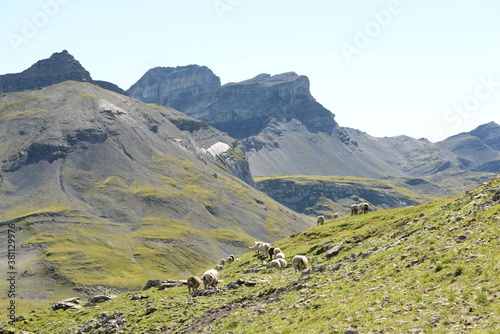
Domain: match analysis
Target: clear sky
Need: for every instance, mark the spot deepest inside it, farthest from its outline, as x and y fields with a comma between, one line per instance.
x=423, y=68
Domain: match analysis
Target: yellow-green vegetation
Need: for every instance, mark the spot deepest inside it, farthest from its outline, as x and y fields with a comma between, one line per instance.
x=432, y=268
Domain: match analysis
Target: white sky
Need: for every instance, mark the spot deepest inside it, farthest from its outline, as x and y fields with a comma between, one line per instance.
x=423, y=68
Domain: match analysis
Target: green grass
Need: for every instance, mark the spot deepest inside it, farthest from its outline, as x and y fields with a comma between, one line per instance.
x=401, y=271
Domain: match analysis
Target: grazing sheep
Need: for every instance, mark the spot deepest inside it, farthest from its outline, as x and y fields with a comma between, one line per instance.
x=320, y=220
x=219, y=267
x=354, y=209
x=222, y=262
x=193, y=282
x=276, y=251
x=299, y=263
x=336, y=215
x=280, y=255
x=363, y=207
x=275, y=264
x=270, y=252
x=256, y=247
x=210, y=278
x=263, y=248
x=282, y=263
x=230, y=259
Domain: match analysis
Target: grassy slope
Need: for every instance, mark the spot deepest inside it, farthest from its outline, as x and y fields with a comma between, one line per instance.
x=433, y=268
x=112, y=214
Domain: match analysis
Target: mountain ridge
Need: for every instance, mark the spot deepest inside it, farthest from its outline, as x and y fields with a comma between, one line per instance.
x=59, y=67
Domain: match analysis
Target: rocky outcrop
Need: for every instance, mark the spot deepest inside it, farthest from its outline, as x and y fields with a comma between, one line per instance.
x=58, y=68
x=241, y=109
x=245, y=108
x=185, y=88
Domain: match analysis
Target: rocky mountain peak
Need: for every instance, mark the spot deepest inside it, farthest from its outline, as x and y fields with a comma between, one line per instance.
x=59, y=67
x=488, y=133
x=185, y=88
x=242, y=109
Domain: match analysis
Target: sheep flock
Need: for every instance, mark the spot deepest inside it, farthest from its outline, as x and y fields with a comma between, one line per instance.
x=277, y=259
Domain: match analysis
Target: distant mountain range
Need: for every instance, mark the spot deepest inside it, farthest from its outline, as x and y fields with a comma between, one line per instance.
x=285, y=131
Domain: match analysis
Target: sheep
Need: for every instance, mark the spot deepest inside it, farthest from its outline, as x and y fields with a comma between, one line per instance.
x=336, y=215
x=256, y=247
x=363, y=207
x=219, y=267
x=280, y=255
x=270, y=252
x=210, y=278
x=354, y=209
x=263, y=248
x=275, y=264
x=193, y=282
x=230, y=259
x=320, y=220
x=282, y=263
x=276, y=251
x=222, y=262
x=299, y=262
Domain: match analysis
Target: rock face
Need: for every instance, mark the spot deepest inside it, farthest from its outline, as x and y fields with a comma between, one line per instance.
x=246, y=108
x=185, y=88
x=241, y=109
x=58, y=68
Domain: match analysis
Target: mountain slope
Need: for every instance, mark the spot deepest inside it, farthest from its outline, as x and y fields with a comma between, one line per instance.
x=105, y=190
x=426, y=269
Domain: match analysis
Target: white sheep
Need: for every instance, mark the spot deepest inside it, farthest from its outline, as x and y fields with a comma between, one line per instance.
x=219, y=267
x=320, y=220
x=222, y=262
x=336, y=215
x=275, y=264
x=193, y=282
x=210, y=278
x=256, y=246
x=230, y=259
x=354, y=209
x=282, y=263
x=363, y=207
x=276, y=251
x=263, y=248
x=299, y=263
x=280, y=255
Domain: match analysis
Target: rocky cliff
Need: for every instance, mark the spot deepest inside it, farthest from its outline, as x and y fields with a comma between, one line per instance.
x=58, y=68
x=185, y=88
x=241, y=109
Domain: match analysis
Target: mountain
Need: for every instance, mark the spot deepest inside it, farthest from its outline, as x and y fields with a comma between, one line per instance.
x=478, y=149
x=187, y=88
x=285, y=131
x=431, y=268
x=241, y=109
x=103, y=191
x=58, y=68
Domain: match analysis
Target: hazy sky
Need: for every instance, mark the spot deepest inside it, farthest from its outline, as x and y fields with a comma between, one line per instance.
x=423, y=68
